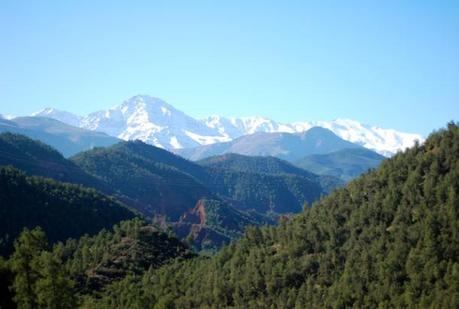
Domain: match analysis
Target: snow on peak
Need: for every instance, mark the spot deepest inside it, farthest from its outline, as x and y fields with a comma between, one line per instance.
x=62, y=116
x=154, y=121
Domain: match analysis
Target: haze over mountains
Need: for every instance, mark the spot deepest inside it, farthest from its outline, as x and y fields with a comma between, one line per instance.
x=158, y=123
x=68, y=139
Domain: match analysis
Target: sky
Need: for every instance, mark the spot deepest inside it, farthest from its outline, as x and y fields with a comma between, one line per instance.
x=394, y=64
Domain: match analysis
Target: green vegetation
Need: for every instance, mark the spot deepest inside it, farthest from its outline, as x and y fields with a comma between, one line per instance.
x=266, y=184
x=345, y=164
x=39, y=159
x=64, y=275
x=388, y=239
x=62, y=210
x=162, y=185
x=265, y=193
x=213, y=223
x=142, y=177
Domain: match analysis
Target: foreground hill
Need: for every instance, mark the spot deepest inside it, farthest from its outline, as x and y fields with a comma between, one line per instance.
x=62, y=276
x=388, y=239
x=65, y=138
x=62, y=210
x=286, y=146
x=344, y=164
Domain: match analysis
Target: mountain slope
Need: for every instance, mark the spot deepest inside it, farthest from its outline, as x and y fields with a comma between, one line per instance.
x=70, y=271
x=281, y=145
x=62, y=210
x=280, y=172
x=142, y=177
x=253, y=164
x=388, y=239
x=158, y=123
x=163, y=185
x=168, y=188
x=345, y=164
x=63, y=137
x=37, y=158
x=129, y=248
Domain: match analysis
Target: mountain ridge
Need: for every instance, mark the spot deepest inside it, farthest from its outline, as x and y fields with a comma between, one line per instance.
x=286, y=146
x=156, y=122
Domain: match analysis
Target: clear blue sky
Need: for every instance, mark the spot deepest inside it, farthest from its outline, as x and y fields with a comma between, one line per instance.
x=388, y=63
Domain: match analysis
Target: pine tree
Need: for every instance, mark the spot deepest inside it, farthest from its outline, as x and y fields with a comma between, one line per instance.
x=24, y=263
x=53, y=288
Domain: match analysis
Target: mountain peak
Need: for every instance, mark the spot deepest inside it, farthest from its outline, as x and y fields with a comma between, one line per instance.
x=158, y=123
x=60, y=115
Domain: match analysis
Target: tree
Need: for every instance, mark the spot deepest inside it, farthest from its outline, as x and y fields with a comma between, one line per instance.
x=53, y=288
x=24, y=264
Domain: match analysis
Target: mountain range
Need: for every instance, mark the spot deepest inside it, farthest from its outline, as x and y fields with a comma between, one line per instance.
x=209, y=204
x=160, y=124
x=286, y=146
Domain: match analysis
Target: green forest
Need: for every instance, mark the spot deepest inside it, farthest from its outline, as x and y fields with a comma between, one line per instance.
x=389, y=238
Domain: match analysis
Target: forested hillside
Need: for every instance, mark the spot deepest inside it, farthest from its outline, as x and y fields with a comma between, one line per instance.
x=169, y=188
x=144, y=177
x=172, y=190
x=67, y=274
x=63, y=210
x=344, y=164
x=388, y=239
x=37, y=158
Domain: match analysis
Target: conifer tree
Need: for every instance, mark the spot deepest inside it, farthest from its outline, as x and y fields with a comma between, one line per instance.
x=53, y=288
x=24, y=263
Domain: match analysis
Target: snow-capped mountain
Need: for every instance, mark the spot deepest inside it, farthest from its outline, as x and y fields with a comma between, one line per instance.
x=62, y=116
x=156, y=122
x=153, y=121
x=384, y=141
x=7, y=117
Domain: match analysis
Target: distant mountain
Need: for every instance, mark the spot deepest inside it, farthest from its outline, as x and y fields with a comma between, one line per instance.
x=286, y=146
x=157, y=123
x=345, y=164
x=62, y=210
x=67, y=139
x=62, y=116
x=384, y=141
x=153, y=121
